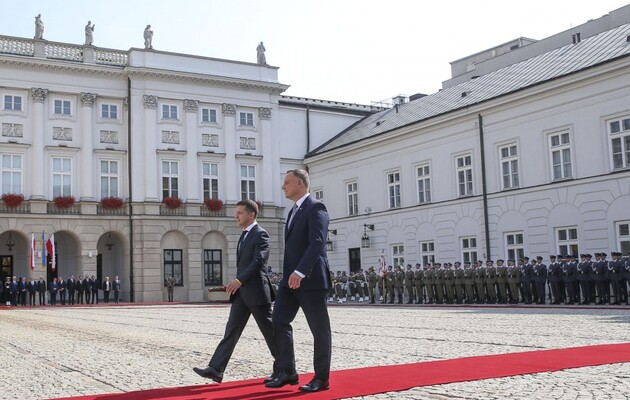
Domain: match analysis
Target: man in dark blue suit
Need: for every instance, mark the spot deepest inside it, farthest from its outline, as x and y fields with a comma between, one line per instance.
x=250, y=293
x=305, y=283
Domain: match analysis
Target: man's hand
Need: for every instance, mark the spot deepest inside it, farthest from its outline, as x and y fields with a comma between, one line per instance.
x=233, y=286
x=294, y=281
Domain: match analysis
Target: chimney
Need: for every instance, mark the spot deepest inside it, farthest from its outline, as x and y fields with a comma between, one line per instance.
x=398, y=100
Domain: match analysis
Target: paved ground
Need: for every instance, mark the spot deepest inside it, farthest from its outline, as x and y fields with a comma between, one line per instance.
x=62, y=351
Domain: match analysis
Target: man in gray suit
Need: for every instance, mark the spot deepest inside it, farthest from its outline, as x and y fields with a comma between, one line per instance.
x=250, y=292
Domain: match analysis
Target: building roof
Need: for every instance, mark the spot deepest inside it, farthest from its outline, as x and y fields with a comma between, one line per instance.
x=569, y=59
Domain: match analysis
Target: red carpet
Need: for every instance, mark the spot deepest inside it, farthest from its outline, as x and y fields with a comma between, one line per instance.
x=373, y=380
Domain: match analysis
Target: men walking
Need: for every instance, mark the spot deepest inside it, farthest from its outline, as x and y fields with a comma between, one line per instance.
x=250, y=292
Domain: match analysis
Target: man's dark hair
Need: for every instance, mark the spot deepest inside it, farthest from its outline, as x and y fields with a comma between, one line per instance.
x=250, y=205
x=301, y=175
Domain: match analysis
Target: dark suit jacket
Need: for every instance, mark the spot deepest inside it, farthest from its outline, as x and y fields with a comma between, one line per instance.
x=251, y=268
x=305, y=246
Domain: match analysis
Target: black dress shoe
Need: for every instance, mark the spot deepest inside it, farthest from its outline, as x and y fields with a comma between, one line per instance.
x=209, y=373
x=316, y=385
x=271, y=377
x=282, y=378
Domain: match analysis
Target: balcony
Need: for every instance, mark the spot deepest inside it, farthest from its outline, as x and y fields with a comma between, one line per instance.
x=206, y=212
x=74, y=209
x=124, y=210
x=24, y=208
x=172, y=212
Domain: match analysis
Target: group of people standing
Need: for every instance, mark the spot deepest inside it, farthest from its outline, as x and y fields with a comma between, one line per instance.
x=84, y=290
x=564, y=281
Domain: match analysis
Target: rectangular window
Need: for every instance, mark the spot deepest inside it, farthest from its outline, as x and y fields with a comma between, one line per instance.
x=62, y=107
x=514, y=245
x=209, y=115
x=353, y=198
x=398, y=254
x=11, y=173
x=169, y=111
x=248, y=182
x=109, y=111
x=560, y=150
x=393, y=187
x=509, y=166
x=469, y=249
x=173, y=265
x=62, y=176
x=210, y=172
x=246, y=119
x=423, y=179
x=427, y=252
x=212, y=268
x=464, y=175
x=170, y=179
x=567, y=241
x=619, y=132
x=319, y=195
x=13, y=103
x=623, y=237
x=109, y=178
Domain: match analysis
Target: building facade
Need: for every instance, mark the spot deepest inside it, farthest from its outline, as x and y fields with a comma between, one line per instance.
x=156, y=134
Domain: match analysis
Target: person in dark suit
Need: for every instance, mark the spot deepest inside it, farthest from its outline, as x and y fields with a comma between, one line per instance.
x=32, y=291
x=305, y=283
x=71, y=287
x=107, y=287
x=42, y=289
x=53, y=287
x=250, y=292
x=62, y=290
x=92, y=283
x=116, y=289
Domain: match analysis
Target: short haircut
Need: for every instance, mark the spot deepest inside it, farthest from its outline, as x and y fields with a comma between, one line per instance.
x=301, y=175
x=250, y=206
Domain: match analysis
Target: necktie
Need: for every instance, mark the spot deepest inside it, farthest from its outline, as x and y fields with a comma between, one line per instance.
x=240, y=240
x=293, y=211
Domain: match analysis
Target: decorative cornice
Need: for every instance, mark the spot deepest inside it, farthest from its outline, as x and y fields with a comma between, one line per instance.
x=228, y=109
x=150, y=101
x=191, y=105
x=60, y=66
x=264, y=112
x=88, y=99
x=39, y=94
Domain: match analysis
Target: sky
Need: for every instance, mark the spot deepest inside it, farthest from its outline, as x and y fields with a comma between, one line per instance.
x=356, y=51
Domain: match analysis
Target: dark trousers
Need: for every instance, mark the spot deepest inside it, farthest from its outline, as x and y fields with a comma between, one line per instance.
x=42, y=298
x=87, y=297
x=116, y=296
x=80, y=297
x=239, y=315
x=71, y=297
x=95, y=296
x=105, y=296
x=62, y=297
x=31, y=298
x=315, y=309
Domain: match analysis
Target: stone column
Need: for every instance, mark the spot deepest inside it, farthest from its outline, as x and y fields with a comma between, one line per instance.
x=87, y=147
x=232, y=188
x=150, y=149
x=265, y=134
x=192, y=169
x=37, y=160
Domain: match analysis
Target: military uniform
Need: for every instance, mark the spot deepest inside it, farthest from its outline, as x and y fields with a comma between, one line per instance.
x=554, y=272
x=372, y=280
x=458, y=274
x=360, y=282
x=438, y=283
x=419, y=284
x=615, y=268
x=389, y=285
x=527, y=272
x=600, y=276
x=428, y=284
x=540, y=280
x=584, y=273
x=449, y=281
x=501, y=279
x=569, y=272
x=399, y=283
x=409, y=283
x=491, y=279
x=480, y=284
x=341, y=287
x=514, y=281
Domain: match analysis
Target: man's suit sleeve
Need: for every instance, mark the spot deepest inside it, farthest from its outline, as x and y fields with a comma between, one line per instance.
x=259, y=258
x=317, y=231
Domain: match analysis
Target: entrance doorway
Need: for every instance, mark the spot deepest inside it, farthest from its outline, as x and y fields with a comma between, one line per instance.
x=354, y=259
x=7, y=267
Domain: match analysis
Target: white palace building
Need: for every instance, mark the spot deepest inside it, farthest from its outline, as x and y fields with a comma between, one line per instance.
x=526, y=150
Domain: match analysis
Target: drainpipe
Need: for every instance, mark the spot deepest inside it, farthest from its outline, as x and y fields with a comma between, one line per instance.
x=484, y=188
x=129, y=164
x=308, y=128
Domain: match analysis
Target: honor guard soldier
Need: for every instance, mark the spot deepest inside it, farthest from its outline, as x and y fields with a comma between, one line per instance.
x=372, y=279
x=409, y=284
x=540, y=280
x=428, y=283
x=527, y=275
x=615, y=268
x=418, y=280
x=501, y=279
x=399, y=283
x=389, y=285
x=491, y=281
x=583, y=277
x=514, y=281
x=480, y=283
x=626, y=279
x=569, y=270
x=341, y=286
x=458, y=282
x=554, y=272
x=469, y=283
x=600, y=276
x=449, y=278
x=438, y=283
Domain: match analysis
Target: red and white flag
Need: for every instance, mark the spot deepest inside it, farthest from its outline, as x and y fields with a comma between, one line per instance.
x=32, y=252
x=50, y=246
x=383, y=269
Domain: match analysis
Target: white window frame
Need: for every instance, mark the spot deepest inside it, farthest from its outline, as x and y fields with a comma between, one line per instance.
x=423, y=183
x=514, y=245
x=64, y=174
x=169, y=178
x=352, y=198
x=170, y=112
x=560, y=155
x=622, y=233
x=11, y=173
x=107, y=109
x=12, y=108
x=398, y=254
x=248, y=175
x=319, y=194
x=464, y=174
x=247, y=117
x=567, y=240
x=210, y=176
x=109, y=181
x=427, y=252
x=393, y=189
x=61, y=104
x=619, y=132
x=509, y=166
x=209, y=113
x=469, y=251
